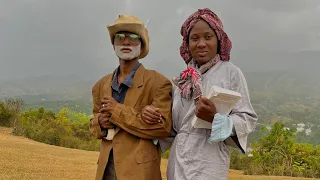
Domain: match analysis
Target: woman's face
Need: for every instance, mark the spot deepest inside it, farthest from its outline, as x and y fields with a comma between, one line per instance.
x=203, y=42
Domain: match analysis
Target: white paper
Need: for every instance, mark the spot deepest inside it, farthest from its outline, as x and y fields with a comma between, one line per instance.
x=223, y=99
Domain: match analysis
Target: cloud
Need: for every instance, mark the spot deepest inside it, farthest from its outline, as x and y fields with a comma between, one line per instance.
x=41, y=37
x=282, y=6
x=185, y=11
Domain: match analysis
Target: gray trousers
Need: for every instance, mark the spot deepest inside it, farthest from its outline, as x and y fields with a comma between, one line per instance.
x=109, y=171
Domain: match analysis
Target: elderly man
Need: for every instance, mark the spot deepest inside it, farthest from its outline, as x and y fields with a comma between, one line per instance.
x=129, y=149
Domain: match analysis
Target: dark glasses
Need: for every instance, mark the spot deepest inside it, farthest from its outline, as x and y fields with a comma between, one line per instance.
x=133, y=38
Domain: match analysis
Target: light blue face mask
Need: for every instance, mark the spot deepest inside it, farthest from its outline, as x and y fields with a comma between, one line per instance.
x=221, y=128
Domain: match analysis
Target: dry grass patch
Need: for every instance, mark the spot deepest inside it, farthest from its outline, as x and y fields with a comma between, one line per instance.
x=22, y=158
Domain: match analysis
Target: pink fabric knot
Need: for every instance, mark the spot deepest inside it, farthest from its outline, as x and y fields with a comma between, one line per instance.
x=191, y=72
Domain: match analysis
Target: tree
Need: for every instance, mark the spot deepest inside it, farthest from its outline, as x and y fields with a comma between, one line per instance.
x=15, y=106
x=5, y=115
x=278, y=154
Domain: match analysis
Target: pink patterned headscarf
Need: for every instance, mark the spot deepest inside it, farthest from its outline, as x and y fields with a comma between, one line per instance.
x=215, y=23
x=190, y=80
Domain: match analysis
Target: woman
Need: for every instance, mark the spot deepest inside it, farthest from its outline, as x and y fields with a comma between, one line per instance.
x=203, y=154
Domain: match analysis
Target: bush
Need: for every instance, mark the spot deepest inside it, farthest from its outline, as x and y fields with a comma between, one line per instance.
x=166, y=154
x=9, y=111
x=278, y=154
x=66, y=128
x=5, y=115
x=239, y=161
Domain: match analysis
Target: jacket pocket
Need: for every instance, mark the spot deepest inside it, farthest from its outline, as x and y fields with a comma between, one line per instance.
x=147, y=151
x=145, y=157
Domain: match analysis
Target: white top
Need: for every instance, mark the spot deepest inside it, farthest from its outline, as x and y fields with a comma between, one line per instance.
x=192, y=157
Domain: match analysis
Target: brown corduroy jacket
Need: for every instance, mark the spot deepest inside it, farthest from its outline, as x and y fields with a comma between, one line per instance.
x=135, y=155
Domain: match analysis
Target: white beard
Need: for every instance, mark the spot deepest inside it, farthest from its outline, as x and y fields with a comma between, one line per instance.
x=135, y=52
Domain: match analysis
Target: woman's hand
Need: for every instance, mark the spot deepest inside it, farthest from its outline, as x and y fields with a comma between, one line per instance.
x=205, y=109
x=151, y=115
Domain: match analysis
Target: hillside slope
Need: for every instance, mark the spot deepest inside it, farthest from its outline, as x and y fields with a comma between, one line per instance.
x=22, y=158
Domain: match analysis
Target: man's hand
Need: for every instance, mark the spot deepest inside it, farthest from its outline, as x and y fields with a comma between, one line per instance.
x=205, y=109
x=151, y=115
x=103, y=119
x=108, y=104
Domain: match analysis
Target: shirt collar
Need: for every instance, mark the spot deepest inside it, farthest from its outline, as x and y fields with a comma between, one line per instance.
x=128, y=80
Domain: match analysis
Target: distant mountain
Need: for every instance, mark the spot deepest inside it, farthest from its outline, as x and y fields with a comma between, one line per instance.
x=276, y=72
x=75, y=87
x=304, y=62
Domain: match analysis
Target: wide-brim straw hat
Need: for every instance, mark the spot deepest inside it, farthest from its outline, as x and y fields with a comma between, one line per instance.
x=134, y=25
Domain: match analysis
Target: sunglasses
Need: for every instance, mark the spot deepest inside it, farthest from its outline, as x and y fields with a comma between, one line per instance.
x=133, y=38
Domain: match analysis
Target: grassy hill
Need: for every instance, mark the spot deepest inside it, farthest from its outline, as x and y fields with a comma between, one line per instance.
x=22, y=158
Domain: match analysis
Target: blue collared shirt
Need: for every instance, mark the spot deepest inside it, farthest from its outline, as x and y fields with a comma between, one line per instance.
x=119, y=91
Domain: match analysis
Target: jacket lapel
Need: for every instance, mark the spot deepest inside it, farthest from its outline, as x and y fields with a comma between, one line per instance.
x=135, y=91
x=107, y=91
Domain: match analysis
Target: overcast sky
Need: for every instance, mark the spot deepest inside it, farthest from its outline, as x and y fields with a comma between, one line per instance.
x=60, y=37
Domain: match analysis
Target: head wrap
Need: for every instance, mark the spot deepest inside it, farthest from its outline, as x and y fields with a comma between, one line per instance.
x=190, y=80
x=215, y=23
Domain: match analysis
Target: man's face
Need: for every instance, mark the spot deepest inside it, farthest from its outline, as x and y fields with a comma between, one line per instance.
x=127, y=45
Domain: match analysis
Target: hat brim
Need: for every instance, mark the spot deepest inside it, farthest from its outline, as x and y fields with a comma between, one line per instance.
x=133, y=28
